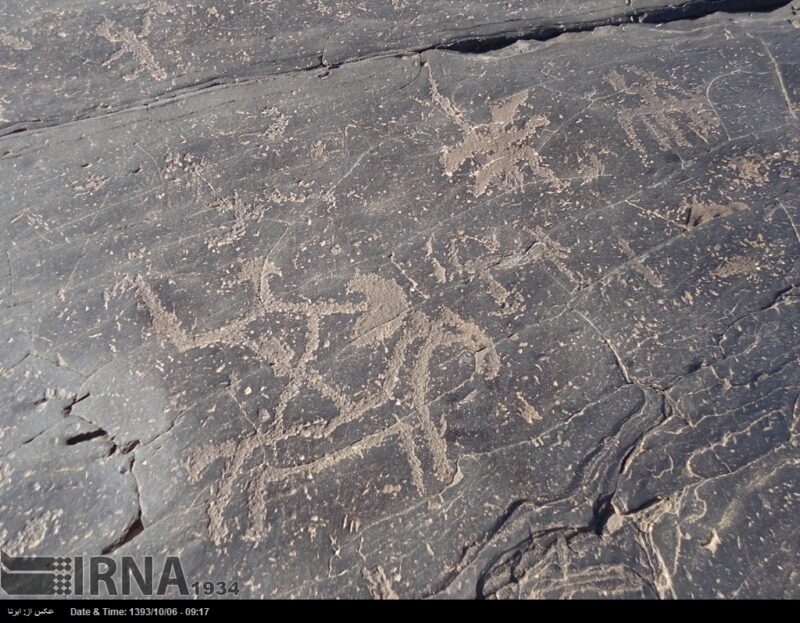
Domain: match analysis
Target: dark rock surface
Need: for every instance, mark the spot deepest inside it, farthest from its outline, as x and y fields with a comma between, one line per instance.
x=292, y=292
x=68, y=59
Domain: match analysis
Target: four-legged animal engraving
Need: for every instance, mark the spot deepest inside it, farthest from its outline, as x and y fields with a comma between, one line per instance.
x=668, y=113
x=382, y=312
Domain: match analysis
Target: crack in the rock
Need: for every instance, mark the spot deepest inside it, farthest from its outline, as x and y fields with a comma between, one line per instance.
x=87, y=436
x=136, y=527
x=657, y=15
x=470, y=44
x=67, y=411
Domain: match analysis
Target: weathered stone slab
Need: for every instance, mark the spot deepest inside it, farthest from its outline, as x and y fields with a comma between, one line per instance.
x=518, y=323
x=66, y=59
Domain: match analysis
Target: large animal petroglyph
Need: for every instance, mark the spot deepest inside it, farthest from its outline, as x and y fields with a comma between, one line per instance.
x=382, y=312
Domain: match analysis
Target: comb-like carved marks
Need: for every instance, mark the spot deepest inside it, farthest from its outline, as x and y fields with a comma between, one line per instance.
x=668, y=113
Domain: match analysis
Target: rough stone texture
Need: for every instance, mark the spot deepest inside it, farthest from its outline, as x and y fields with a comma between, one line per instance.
x=337, y=301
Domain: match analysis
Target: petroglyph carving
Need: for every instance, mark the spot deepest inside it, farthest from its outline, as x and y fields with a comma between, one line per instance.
x=701, y=212
x=737, y=265
x=134, y=44
x=15, y=43
x=242, y=213
x=753, y=169
x=382, y=312
x=379, y=585
x=89, y=186
x=527, y=411
x=750, y=170
x=492, y=254
x=650, y=275
x=667, y=113
x=278, y=123
x=33, y=532
x=177, y=165
x=590, y=163
x=499, y=150
x=546, y=249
